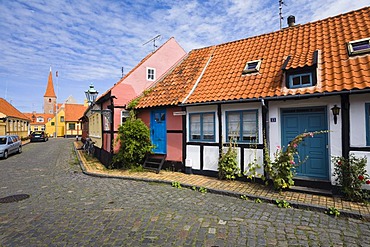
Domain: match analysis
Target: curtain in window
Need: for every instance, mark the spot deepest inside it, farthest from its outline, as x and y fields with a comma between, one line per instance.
x=195, y=126
x=208, y=127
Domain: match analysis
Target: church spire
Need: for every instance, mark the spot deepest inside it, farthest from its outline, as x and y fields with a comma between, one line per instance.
x=50, y=87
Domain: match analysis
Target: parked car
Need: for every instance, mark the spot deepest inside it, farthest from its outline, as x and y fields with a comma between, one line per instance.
x=9, y=145
x=39, y=136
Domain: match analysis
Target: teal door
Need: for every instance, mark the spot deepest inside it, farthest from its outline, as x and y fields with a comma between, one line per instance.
x=297, y=121
x=158, y=131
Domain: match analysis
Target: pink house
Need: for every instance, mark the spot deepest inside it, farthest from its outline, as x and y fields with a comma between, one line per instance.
x=151, y=69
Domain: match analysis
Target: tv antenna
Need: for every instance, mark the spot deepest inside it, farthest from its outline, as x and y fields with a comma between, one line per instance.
x=281, y=3
x=153, y=40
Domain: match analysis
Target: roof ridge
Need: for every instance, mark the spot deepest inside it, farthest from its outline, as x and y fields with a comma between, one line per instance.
x=286, y=28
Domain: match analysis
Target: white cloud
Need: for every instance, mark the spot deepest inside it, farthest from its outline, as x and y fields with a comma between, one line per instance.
x=89, y=41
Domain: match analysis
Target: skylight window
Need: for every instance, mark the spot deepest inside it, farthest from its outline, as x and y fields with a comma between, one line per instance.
x=252, y=66
x=359, y=46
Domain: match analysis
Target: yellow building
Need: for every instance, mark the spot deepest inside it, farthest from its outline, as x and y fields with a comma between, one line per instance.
x=12, y=121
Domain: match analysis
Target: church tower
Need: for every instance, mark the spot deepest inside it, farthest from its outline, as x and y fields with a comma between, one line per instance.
x=50, y=98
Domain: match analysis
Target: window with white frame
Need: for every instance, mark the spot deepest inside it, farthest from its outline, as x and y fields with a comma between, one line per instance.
x=252, y=66
x=150, y=74
x=242, y=126
x=71, y=126
x=124, y=115
x=36, y=128
x=359, y=46
x=202, y=126
x=40, y=119
x=367, y=117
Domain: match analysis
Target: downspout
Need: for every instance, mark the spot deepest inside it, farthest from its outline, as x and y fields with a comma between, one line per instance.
x=112, y=125
x=265, y=132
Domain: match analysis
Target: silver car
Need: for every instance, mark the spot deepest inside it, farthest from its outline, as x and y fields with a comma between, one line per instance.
x=10, y=144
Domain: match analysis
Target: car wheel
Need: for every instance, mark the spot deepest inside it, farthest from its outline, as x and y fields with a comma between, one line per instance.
x=20, y=149
x=5, y=154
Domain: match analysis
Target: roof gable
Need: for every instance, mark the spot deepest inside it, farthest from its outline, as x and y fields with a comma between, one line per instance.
x=10, y=111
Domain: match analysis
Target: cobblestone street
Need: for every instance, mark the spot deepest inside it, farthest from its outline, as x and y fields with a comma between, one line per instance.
x=69, y=208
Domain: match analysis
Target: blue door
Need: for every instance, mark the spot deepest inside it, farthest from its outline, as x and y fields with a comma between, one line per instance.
x=158, y=131
x=297, y=121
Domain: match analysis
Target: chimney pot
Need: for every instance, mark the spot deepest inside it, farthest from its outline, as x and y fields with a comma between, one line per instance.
x=291, y=20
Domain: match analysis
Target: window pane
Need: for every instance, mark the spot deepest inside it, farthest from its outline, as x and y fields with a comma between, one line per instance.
x=296, y=81
x=362, y=45
x=233, y=125
x=208, y=126
x=195, y=127
x=306, y=80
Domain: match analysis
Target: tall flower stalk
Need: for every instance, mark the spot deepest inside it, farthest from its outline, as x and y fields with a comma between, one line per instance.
x=282, y=168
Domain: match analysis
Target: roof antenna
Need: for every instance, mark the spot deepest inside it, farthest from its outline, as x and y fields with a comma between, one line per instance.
x=281, y=3
x=122, y=71
x=153, y=39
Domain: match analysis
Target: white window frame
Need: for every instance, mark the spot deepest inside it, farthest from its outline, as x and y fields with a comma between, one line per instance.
x=124, y=115
x=40, y=119
x=247, y=70
x=150, y=76
x=351, y=49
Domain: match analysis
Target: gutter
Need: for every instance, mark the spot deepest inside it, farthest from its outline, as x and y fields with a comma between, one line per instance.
x=275, y=98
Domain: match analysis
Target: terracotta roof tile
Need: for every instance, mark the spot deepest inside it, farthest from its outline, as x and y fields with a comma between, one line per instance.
x=73, y=112
x=33, y=117
x=10, y=111
x=223, y=79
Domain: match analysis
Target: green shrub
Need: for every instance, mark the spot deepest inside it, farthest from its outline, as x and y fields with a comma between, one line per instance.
x=351, y=175
x=227, y=164
x=134, y=139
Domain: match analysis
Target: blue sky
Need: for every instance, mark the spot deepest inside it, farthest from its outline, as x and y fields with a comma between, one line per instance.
x=89, y=41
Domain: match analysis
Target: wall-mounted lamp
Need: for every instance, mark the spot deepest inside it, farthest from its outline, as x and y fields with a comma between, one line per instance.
x=335, y=109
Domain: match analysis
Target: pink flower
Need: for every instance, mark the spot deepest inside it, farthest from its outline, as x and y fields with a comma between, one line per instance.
x=292, y=162
x=367, y=181
x=361, y=177
x=311, y=134
x=278, y=147
x=295, y=145
x=339, y=162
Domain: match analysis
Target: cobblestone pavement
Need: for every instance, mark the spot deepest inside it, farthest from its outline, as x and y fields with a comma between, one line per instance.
x=68, y=208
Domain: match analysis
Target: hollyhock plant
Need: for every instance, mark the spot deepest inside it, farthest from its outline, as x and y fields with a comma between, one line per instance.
x=282, y=169
x=351, y=176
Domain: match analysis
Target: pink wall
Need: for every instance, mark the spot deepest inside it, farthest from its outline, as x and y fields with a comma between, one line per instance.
x=174, y=140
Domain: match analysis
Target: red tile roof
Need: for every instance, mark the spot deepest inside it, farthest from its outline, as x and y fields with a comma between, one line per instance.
x=33, y=117
x=10, y=111
x=223, y=79
x=73, y=112
x=50, y=87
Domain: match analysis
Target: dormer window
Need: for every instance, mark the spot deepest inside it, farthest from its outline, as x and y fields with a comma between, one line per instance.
x=150, y=74
x=252, y=66
x=40, y=119
x=300, y=80
x=359, y=46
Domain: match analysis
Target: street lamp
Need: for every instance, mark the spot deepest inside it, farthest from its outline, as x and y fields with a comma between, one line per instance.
x=91, y=94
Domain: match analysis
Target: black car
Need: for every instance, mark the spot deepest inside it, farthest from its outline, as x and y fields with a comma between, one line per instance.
x=39, y=136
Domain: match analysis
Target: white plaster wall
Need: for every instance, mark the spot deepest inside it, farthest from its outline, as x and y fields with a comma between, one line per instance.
x=357, y=119
x=200, y=109
x=210, y=158
x=361, y=155
x=241, y=107
x=193, y=154
x=335, y=134
x=250, y=155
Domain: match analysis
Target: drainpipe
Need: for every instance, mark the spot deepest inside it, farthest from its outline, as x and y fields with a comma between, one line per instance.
x=265, y=132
